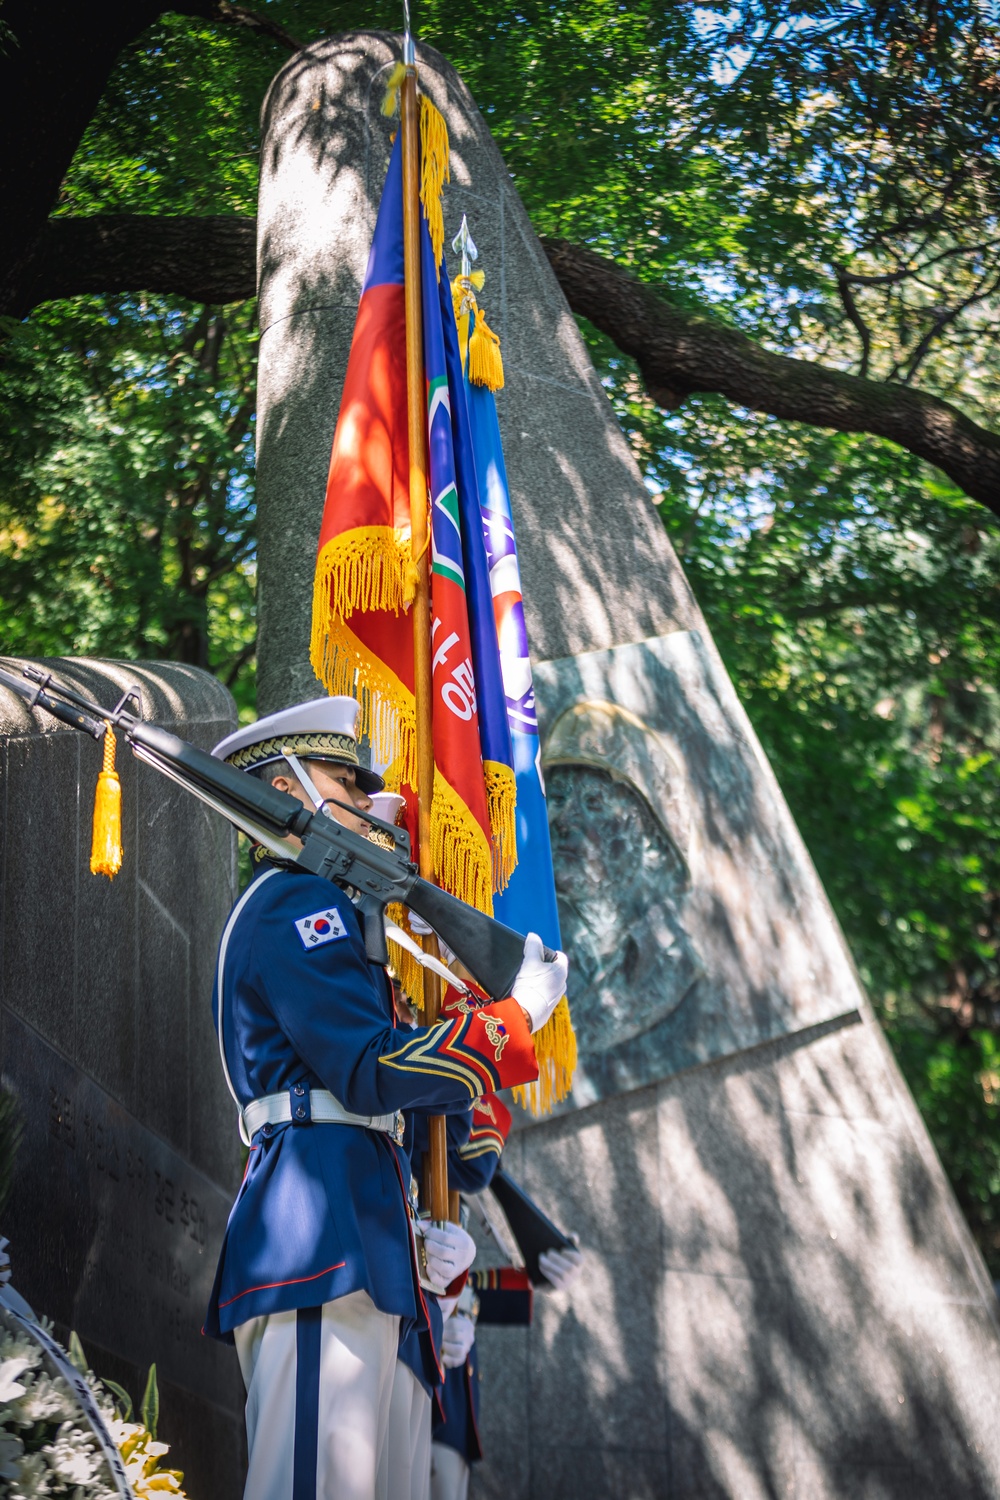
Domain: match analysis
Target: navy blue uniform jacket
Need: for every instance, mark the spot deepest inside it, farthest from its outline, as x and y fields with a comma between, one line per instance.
x=322, y=1208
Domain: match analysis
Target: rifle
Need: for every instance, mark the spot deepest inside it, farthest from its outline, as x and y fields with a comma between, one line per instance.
x=518, y=1225
x=490, y=951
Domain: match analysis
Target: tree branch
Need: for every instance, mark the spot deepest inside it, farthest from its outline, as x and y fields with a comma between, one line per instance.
x=209, y=260
x=681, y=352
x=851, y=309
x=238, y=15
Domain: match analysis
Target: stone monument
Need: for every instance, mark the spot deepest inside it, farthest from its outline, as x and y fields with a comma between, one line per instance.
x=130, y=1156
x=780, y=1295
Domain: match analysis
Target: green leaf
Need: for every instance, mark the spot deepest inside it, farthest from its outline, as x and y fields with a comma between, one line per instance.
x=123, y=1400
x=77, y=1358
x=149, y=1411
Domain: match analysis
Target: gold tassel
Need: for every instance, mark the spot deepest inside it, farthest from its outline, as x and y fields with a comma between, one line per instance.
x=485, y=363
x=391, y=101
x=555, y=1052
x=464, y=302
x=501, y=799
x=435, y=171
x=106, y=844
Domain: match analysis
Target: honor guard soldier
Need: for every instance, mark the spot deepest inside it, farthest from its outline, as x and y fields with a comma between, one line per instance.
x=317, y=1275
x=503, y=1296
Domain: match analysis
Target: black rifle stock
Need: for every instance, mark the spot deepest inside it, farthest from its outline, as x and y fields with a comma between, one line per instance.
x=490, y=951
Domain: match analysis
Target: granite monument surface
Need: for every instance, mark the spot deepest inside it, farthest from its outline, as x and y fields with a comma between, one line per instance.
x=130, y=1156
x=780, y=1295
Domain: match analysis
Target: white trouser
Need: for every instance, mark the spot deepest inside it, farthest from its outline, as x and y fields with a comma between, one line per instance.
x=408, y=1451
x=319, y=1384
x=449, y=1474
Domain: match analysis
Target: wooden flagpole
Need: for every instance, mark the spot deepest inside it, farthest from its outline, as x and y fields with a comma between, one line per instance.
x=436, y=1161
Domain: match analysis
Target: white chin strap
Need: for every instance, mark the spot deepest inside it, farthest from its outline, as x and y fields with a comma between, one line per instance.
x=305, y=780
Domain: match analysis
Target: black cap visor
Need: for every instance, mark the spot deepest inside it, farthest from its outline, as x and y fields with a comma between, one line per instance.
x=369, y=781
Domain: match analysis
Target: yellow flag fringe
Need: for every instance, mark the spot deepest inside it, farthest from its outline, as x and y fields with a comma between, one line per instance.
x=501, y=799
x=435, y=171
x=405, y=966
x=555, y=1053
x=106, y=840
x=462, y=857
x=388, y=717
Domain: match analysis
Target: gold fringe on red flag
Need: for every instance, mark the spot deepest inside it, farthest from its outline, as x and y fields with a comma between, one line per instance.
x=501, y=799
x=405, y=966
x=556, y=1054
x=345, y=666
x=463, y=859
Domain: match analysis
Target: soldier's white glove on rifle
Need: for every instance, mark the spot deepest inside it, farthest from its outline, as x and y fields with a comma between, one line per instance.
x=447, y=1251
x=457, y=1339
x=540, y=983
x=561, y=1267
x=424, y=929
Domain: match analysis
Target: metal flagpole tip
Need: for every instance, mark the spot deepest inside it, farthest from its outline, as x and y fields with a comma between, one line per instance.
x=465, y=245
x=409, y=50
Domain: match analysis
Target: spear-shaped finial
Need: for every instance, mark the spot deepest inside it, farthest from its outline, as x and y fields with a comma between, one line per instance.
x=463, y=244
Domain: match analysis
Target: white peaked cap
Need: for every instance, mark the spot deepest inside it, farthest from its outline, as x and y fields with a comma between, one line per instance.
x=323, y=729
x=386, y=805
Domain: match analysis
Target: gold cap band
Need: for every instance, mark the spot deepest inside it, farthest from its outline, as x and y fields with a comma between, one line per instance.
x=342, y=747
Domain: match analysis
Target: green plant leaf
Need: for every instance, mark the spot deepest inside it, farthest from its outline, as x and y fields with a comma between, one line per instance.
x=77, y=1358
x=122, y=1398
x=149, y=1411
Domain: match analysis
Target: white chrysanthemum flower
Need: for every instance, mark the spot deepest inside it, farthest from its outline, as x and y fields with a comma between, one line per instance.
x=32, y=1482
x=73, y=1456
x=11, y=1385
x=20, y=1346
x=45, y=1400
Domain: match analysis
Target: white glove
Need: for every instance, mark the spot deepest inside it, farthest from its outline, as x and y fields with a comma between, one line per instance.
x=448, y=1251
x=539, y=985
x=561, y=1267
x=456, y=1341
x=420, y=928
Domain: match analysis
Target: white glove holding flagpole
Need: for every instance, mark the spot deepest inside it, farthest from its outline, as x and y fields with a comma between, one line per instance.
x=561, y=1267
x=457, y=1339
x=448, y=1250
x=540, y=983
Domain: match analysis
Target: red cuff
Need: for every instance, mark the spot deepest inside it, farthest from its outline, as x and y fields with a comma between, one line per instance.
x=490, y=1114
x=500, y=1033
x=454, y=1288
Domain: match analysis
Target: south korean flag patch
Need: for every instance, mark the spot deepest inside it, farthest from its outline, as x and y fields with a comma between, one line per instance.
x=321, y=927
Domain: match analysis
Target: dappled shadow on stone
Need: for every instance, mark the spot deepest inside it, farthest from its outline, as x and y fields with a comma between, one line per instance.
x=778, y=1299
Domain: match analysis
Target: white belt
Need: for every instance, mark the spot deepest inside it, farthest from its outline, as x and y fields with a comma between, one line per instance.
x=301, y=1105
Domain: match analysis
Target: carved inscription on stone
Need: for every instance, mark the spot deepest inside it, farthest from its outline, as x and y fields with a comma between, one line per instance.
x=112, y=1233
